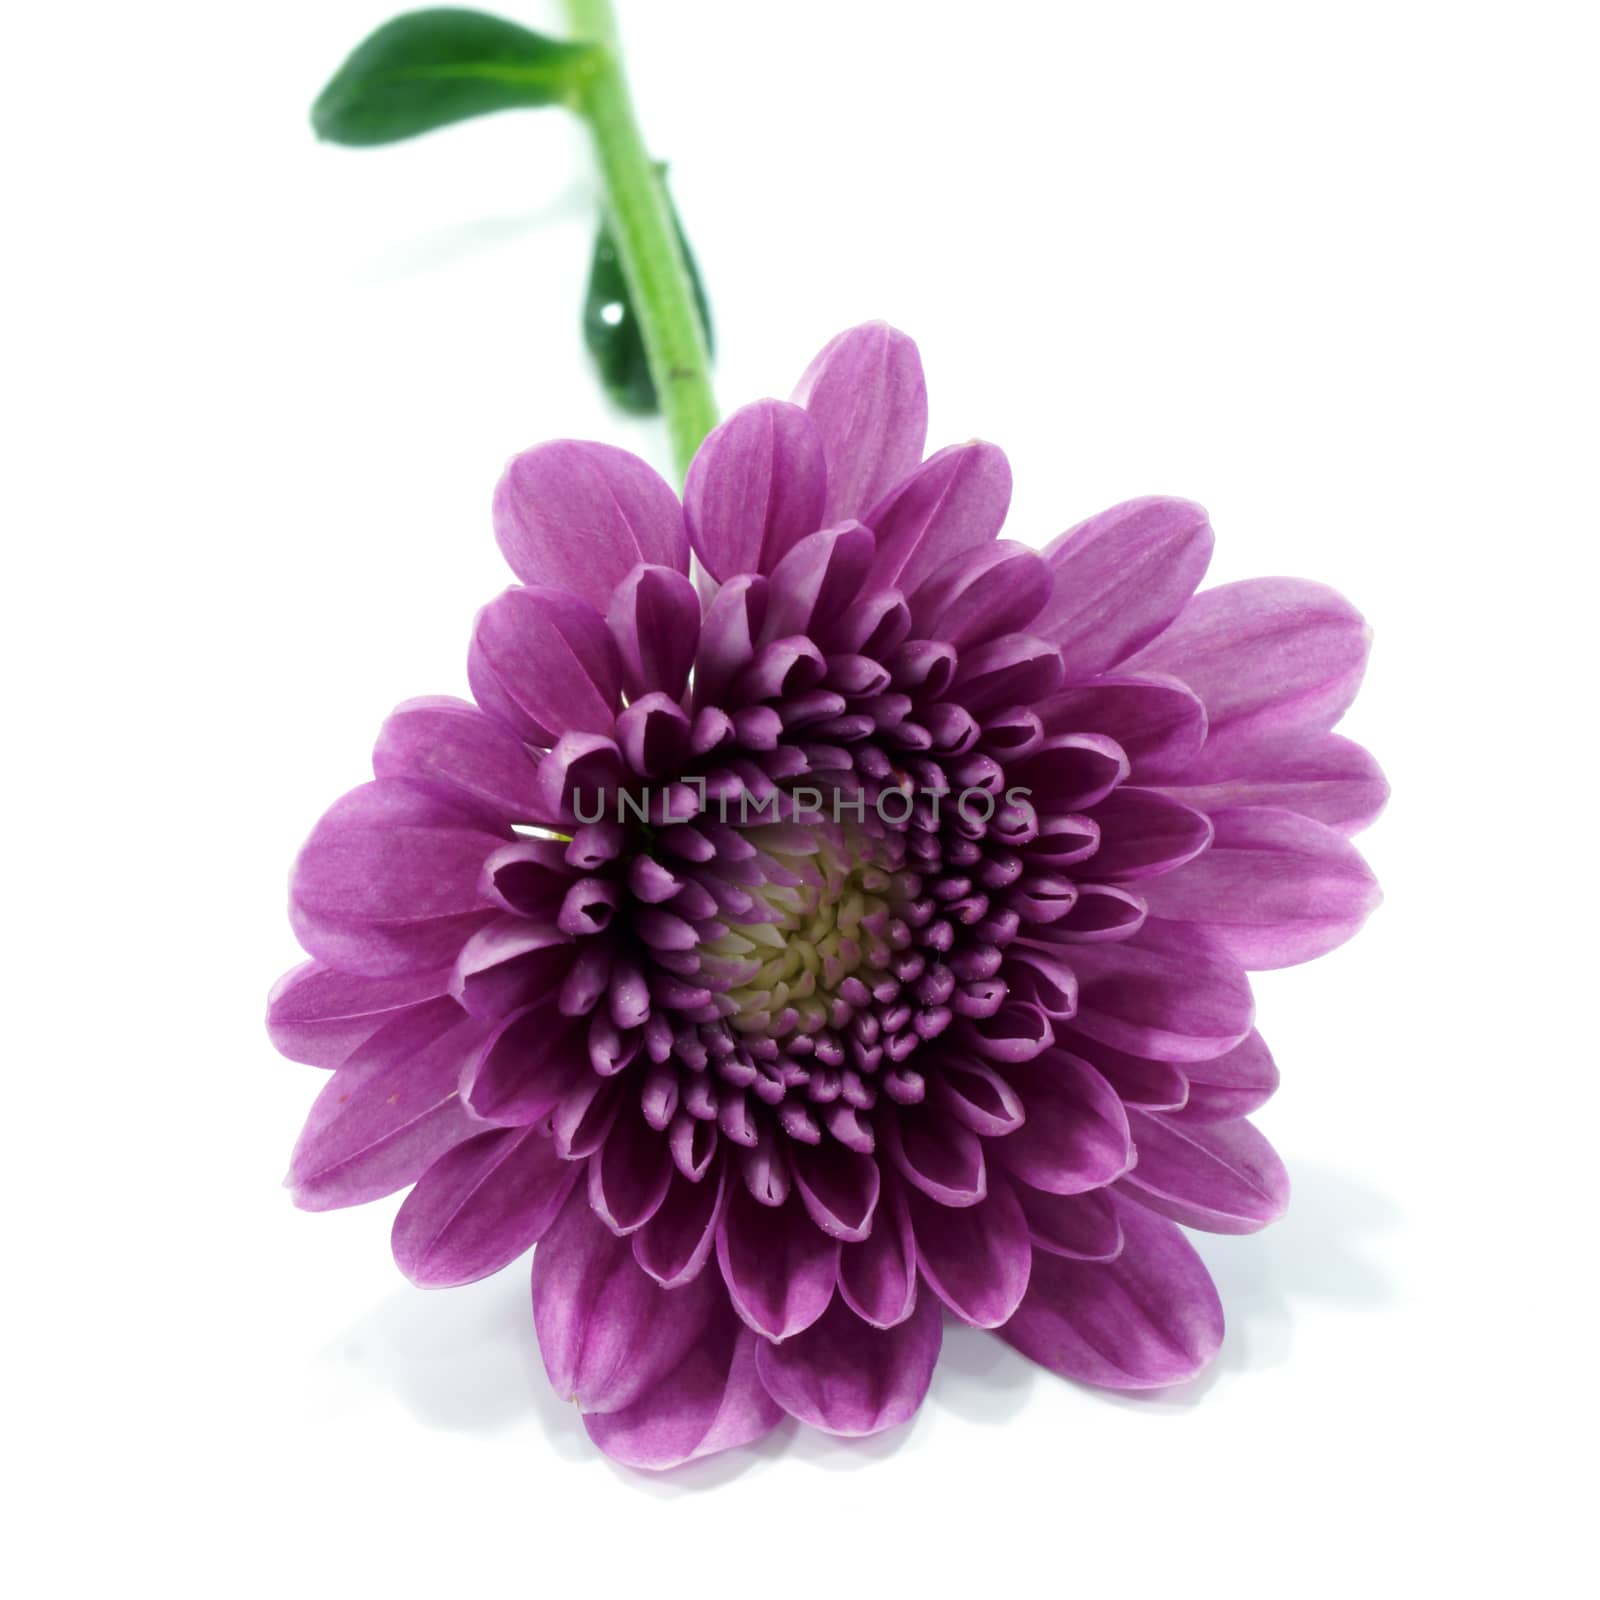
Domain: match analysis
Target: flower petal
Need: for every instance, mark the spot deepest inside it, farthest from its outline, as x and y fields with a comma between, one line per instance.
x=1326, y=777
x=938, y=1155
x=728, y=633
x=509, y=963
x=544, y=663
x=579, y=778
x=846, y=1377
x=817, y=581
x=1121, y=577
x=980, y=594
x=654, y=615
x=1070, y=772
x=1231, y=1085
x=780, y=1267
x=1082, y=1226
x=388, y=882
x=867, y=399
x=388, y=1113
x=976, y=1094
x=712, y=1400
x=755, y=487
x=1223, y=1177
x=1035, y=974
x=526, y=1066
x=675, y=1244
x=480, y=1205
x=1144, y=833
x=1170, y=993
x=1138, y=1080
x=838, y=1186
x=1159, y=722
x=1271, y=658
x=581, y=516
x=878, y=1276
x=318, y=1016
x=975, y=1258
x=956, y=501
x=1149, y=1318
x=608, y=1332
x=1016, y=669
x=452, y=746
x=1075, y=1137
x=629, y=1174
x=1275, y=888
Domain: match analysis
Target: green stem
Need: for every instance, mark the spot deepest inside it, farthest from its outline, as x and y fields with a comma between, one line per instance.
x=647, y=243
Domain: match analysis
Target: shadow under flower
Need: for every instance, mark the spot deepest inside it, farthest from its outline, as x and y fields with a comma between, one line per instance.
x=1319, y=1251
x=467, y=1359
x=980, y=1378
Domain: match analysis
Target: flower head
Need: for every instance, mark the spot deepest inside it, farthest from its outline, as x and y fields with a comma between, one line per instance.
x=859, y=933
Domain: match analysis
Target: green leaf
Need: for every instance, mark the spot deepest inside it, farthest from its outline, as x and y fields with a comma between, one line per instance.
x=611, y=325
x=429, y=68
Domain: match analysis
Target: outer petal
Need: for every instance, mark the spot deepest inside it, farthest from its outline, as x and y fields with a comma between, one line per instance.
x=878, y=1276
x=728, y=632
x=388, y=881
x=629, y=1174
x=674, y=1245
x=608, y=1332
x=845, y=1377
x=453, y=746
x=526, y=1066
x=1224, y=1178
x=544, y=663
x=319, y=1016
x=867, y=398
x=1326, y=777
x=1231, y=1085
x=654, y=615
x=1271, y=658
x=712, y=1400
x=955, y=502
x=1082, y=1226
x=388, y=1113
x=1275, y=888
x=1144, y=833
x=1139, y=1081
x=509, y=963
x=480, y=1205
x=1170, y=993
x=1016, y=669
x=1076, y=1134
x=816, y=581
x=975, y=1258
x=755, y=487
x=780, y=1268
x=1159, y=722
x=1121, y=577
x=980, y=594
x=580, y=517
x=1149, y=1318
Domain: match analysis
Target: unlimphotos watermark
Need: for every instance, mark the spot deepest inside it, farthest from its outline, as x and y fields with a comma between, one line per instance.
x=893, y=804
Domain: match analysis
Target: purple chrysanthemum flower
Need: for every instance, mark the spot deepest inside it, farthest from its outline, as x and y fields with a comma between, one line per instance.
x=773, y=1080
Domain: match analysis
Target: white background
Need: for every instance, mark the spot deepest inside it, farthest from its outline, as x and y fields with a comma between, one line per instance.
x=1328, y=268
